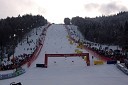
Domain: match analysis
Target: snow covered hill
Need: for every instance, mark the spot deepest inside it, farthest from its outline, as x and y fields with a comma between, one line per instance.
x=67, y=71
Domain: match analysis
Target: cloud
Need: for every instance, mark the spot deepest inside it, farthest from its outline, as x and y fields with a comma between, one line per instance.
x=91, y=6
x=16, y=7
x=112, y=7
x=105, y=8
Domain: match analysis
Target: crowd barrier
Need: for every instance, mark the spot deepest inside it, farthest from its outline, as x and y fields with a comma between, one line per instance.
x=40, y=65
x=37, y=51
x=67, y=36
x=78, y=51
x=87, y=48
x=12, y=75
x=35, y=55
x=112, y=62
x=98, y=62
x=97, y=54
x=122, y=68
x=71, y=42
x=80, y=46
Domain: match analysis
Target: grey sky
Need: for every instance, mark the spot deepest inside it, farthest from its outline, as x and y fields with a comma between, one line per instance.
x=106, y=8
x=57, y=10
x=109, y=8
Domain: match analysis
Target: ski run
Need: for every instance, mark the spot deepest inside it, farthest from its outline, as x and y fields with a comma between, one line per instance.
x=64, y=70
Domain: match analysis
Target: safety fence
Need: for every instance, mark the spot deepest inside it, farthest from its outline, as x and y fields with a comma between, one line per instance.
x=12, y=75
x=38, y=49
x=122, y=67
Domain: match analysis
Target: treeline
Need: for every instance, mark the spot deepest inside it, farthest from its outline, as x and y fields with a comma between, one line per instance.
x=12, y=29
x=105, y=29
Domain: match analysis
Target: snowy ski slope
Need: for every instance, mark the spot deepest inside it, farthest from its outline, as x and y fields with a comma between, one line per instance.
x=64, y=71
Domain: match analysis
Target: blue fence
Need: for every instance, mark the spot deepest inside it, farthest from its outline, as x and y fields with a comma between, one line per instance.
x=112, y=62
x=12, y=75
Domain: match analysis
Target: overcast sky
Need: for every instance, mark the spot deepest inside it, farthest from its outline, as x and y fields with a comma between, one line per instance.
x=56, y=10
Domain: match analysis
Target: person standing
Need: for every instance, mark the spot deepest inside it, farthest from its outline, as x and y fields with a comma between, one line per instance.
x=92, y=57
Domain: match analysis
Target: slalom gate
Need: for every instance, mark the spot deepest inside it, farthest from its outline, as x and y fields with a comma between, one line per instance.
x=45, y=65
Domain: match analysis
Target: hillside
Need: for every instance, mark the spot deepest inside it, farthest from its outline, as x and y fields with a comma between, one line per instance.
x=111, y=29
x=64, y=71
